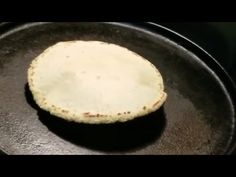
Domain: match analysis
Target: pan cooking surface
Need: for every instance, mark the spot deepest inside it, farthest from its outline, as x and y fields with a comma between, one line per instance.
x=197, y=118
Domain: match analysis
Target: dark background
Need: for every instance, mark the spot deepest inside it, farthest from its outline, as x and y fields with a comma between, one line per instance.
x=217, y=38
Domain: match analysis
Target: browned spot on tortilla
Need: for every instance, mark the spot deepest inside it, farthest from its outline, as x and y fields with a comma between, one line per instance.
x=119, y=114
x=64, y=111
x=86, y=113
x=101, y=115
x=124, y=112
x=98, y=77
x=155, y=104
x=128, y=112
x=67, y=56
x=92, y=115
x=144, y=108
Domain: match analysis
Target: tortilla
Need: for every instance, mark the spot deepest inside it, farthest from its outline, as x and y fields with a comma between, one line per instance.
x=95, y=82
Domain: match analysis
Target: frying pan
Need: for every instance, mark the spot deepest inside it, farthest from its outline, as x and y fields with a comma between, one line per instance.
x=197, y=118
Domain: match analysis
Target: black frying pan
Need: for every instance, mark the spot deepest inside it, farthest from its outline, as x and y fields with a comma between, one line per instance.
x=197, y=118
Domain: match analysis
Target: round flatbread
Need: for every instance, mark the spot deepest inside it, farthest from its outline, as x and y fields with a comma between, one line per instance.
x=95, y=82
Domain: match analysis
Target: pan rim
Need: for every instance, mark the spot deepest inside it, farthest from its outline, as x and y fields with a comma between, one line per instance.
x=231, y=94
x=225, y=79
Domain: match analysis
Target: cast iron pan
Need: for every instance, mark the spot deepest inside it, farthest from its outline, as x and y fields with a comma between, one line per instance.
x=197, y=118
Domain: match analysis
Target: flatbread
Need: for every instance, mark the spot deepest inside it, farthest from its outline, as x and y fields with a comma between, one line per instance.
x=95, y=82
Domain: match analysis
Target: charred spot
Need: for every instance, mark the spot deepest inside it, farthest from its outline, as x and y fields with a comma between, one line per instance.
x=128, y=112
x=144, y=108
x=119, y=114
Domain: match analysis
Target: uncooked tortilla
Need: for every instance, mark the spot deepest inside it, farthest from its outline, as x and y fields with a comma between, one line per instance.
x=95, y=82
